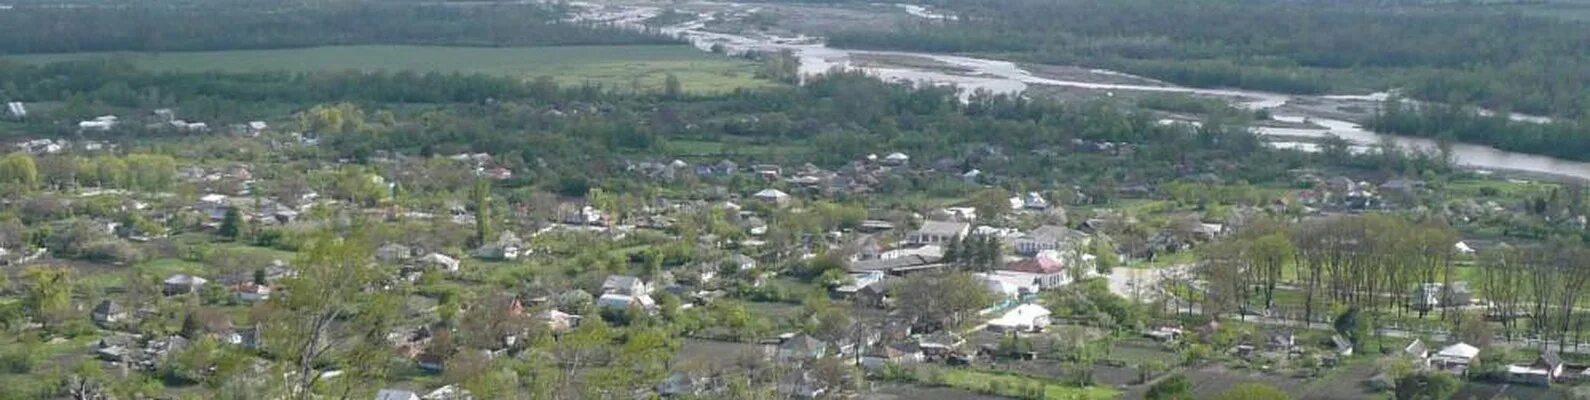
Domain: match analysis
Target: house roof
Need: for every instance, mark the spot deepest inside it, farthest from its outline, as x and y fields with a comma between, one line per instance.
x=395, y=394
x=1416, y=348
x=1548, y=359
x=1055, y=233
x=803, y=343
x=1460, y=350
x=898, y=263
x=1037, y=265
x=621, y=282
x=185, y=279
x=771, y=194
x=943, y=228
x=108, y=307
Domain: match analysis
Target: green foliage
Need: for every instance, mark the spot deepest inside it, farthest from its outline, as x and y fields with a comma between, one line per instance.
x=1427, y=386
x=231, y=224
x=1253, y=391
x=1174, y=387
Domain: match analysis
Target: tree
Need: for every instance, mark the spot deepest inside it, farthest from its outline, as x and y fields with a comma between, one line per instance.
x=1174, y=387
x=1104, y=257
x=1427, y=386
x=17, y=170
x=305, y=326
x=1253, y=391
x=942, y=299
x=1269, y=254
x=49, y=294
x=991, y=204
x=482, y=197
x=231, y=224
x=672, y=89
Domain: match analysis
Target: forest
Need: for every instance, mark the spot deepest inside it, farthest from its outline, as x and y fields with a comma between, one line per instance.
x=1566, y=139
x=153, y=27
x=1466, y=56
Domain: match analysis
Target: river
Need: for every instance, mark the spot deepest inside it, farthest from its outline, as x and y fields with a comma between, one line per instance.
x=971, y=74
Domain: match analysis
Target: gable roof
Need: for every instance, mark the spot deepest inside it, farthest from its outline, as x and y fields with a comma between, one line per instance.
x=1037, y=265
x=943, y=228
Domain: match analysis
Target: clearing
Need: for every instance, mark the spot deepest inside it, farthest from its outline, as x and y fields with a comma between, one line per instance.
x=614, y=66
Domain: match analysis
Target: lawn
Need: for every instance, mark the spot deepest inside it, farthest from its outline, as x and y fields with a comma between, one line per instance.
x=979, y=381
x=616, y=66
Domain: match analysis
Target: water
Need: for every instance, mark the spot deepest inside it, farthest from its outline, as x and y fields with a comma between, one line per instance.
x=1003, y=77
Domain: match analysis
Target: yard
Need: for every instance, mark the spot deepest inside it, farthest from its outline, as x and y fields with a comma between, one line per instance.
x=615, y=66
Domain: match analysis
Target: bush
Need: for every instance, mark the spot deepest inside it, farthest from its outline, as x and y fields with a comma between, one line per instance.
x=18, y=360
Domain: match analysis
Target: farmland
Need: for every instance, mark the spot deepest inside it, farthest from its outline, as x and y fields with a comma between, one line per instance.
x=613, y=66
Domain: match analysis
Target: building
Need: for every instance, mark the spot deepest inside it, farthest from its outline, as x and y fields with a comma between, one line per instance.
x=625, y=285
x=772, y=196
x=897, y=266
x=16, y=110
x=396, y=394
x=252, y=292
x=939, y=232
x=618, y=301
x=1050, y=237
x=1546, y=368
x=801, y=347
x=1023, y=318
x=1430, y=296
x=109, y=312
x=180, y=284
x=1418, y=352
x=1455, y=358
x=439, y=261
x=1046, y=270
x=99, y=124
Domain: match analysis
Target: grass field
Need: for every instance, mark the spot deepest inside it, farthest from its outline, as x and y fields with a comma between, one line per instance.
x=614, y=66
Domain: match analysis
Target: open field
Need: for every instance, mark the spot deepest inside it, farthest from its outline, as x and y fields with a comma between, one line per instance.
x=617, y=66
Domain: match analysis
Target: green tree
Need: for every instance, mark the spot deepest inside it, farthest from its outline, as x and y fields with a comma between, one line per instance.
x=482, y=196
x=231, y=224
x=672, y=89
x=308, y=327
x=49, y=294
x=946, y=298
x=1427, y=386
x=17, y=170
x=1174, y=387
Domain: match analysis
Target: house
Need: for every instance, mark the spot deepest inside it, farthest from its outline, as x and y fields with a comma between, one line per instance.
x=1546, y=368
x=16, y=109
x=772, y=196
x=681, y=384
x=896, y=159
x=1428, y=296
x=396, y=394
x=1418, y=352
x=896, y=354
x=439, y=261
x=741, y=262
x=617, y=301
x=393, y=252
x=251, y=292
x=558, y=321
x=1035, y=201
x=625, y=285
x=1008, y=287
x=800, y=384
x=940, y=344
x=1023, y=318
x=109, y=312
x=939, y=232
x=897, y=266
x=1047, y=270
x=876, y=294
x=508, y=247
x=801, y=347
x=1050, y=237
x=1344, y=347
x=1455, y=358
x=448, y=392
x=856, y=282
x=180, y=284
x=99, y=124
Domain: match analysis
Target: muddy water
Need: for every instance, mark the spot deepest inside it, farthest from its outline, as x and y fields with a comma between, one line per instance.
x=975, y=74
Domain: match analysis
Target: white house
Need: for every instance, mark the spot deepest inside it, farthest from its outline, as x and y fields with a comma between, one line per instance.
x=439, y=261
x=1050, y=237
x=939, y=232
x=1023, y=318
x=1455, y=358
x=1546, y=368
x=773, y=196
x=625, y=285
x=16, y=109
x=98, y=124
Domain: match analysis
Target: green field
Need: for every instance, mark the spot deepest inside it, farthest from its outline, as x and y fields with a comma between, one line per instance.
x=614, y=66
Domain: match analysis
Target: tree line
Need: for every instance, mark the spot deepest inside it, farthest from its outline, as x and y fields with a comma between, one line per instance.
x=1566, y=139
x=1461, y=55
x=152, y=27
